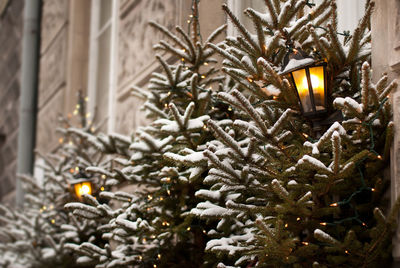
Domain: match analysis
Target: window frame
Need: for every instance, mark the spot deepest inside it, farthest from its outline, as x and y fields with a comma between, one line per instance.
x=95, y=34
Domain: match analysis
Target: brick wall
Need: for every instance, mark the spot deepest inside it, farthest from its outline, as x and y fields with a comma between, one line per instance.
x=10, y=61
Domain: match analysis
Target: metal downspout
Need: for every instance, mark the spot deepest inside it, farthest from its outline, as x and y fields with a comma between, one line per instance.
x=29, y=88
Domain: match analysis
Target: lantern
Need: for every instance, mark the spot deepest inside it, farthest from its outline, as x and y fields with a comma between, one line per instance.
x=82, y=186
x=308, y=77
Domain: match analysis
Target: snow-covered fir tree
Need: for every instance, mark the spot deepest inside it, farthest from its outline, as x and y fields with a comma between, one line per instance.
x=284, y=192
x=152, y=226
x=230, y=173
x=35, y=235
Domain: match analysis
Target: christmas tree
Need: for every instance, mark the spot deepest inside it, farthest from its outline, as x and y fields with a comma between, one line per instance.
x=288, y=190
x=35, y=235
x=151, y=225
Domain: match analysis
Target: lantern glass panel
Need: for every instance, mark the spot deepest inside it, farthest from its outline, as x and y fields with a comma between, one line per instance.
x=318, y=85
x=300, y=79
x=83, y=188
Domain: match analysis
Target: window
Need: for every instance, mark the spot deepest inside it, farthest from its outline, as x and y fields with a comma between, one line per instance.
x=102, y=62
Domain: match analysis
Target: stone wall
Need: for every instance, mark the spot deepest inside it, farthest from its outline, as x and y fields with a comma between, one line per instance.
x=386, y=59
x=11, y=18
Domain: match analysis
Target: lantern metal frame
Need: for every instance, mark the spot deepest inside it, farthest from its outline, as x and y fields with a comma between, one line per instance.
x=305, y=64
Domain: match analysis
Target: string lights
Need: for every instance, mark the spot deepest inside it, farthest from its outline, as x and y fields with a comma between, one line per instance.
x=359, y=165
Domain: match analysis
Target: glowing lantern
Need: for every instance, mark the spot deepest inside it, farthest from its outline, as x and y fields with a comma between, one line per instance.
x=82, y=186
x=308, y=77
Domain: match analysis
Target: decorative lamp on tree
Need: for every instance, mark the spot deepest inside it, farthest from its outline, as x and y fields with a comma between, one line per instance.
x=308, y=77
x=82, y=186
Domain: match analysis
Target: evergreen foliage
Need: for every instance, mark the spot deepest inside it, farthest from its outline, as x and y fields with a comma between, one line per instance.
x=229, y=173
x=37, y=234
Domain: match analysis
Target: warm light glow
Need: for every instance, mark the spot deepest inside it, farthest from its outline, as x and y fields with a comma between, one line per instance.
x=298, y=218
x=314, y=81
x=83, y=188
x=323, y=223
x=302, y=89
x=334, y=205
x=318, y=88
x=317, y=83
